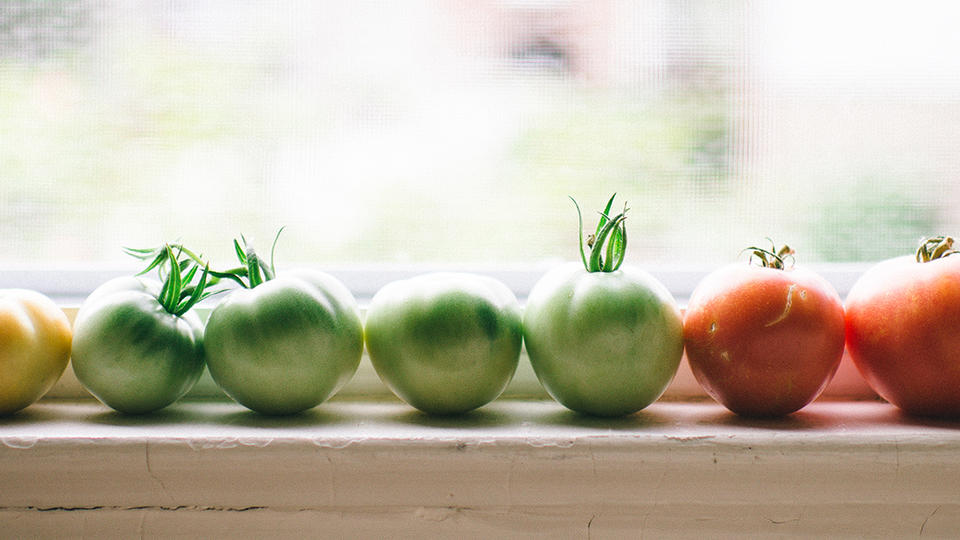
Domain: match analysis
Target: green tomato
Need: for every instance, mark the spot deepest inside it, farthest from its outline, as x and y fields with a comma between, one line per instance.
x=445, y=343
x=287, y=344
x=603, y=343
x=130, y=353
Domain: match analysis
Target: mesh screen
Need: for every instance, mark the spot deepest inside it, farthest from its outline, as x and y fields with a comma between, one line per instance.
x=453, y=132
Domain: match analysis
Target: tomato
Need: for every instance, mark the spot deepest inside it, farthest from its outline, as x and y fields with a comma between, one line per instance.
x=137, y=347
x=603, y=339
x=130, y=352
x=34, y=347
x=903, y=330
x=285, y=343
x=445, y=343
x=764, y=340
x=605, y=344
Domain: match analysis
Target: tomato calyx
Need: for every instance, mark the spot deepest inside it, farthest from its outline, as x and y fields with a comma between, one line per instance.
x=253, y=269
x=777, y=258
x=177, y=268
x=608, y=244
x=935, y=247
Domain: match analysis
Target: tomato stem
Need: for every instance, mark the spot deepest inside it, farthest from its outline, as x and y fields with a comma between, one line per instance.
x=610, y=240
x=771, y=258
x=178, y=293
x=252, y=267
x=935, y=247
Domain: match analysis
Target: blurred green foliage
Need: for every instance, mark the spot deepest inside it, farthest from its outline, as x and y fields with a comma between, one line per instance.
x=870, y=219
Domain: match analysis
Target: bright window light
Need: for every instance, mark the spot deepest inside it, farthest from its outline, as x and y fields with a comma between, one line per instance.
x=384, y=133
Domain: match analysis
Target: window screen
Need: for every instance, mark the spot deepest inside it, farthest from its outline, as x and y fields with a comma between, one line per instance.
x=453, y=132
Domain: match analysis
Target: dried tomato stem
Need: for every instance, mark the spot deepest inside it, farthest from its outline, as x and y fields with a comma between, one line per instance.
x=771, y=258
x=935, y=247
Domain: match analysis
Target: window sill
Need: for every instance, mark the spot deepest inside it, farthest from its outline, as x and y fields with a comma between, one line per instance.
x=512, y=468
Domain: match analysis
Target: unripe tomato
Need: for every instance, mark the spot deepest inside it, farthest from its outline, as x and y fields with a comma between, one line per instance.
x=283, y=343
x=601, y=343
x=445, y=343
x=130, y=352
x=287, y=344
x=603, y=338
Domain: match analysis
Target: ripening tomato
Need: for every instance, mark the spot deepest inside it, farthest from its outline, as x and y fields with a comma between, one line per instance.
x=34, y=347
x=764, y=340
x=903, y=329
x=603, y=340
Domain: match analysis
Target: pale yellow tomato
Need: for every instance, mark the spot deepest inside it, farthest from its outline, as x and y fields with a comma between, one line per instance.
x=35, y=339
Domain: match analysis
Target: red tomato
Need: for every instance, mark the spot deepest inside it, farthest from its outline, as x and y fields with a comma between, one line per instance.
x=764, y=341
x=903, y=332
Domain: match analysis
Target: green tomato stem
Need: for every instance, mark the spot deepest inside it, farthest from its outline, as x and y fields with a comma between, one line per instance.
x=608, y=245
x=197, y=293
x=254, y=275
x=253, y=268
x=583, y=256
x=178, y=293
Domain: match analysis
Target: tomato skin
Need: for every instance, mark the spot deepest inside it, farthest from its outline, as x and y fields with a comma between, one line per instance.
x=130, y=353
x=286, y=345
x=605, y=344
x=35, y=340
x=903, y=333
x=446, y=343
x=764, y=341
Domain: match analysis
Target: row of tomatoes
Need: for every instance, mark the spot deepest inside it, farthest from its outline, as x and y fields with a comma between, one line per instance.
x=763, y=339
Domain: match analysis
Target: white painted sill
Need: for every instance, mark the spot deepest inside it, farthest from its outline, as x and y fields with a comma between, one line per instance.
x=515, y=468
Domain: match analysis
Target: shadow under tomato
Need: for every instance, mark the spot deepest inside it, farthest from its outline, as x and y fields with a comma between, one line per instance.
x=938, y=422
x=317, y=416
x=477, y=418
x=29, y=415
x=169, y=415
x=798, y=421
x=638, y=420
